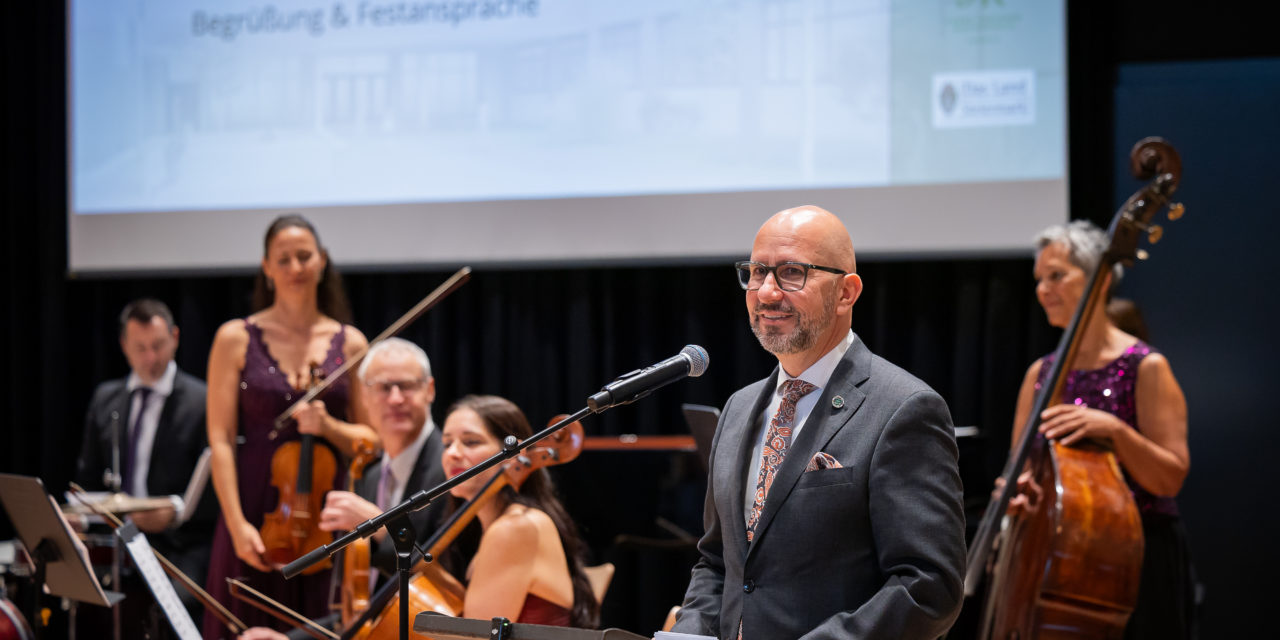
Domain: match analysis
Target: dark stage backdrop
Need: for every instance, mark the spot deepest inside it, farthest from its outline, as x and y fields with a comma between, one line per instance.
x=549, y=337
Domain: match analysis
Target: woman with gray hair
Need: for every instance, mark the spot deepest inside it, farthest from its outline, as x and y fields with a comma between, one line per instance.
x=1122, y=392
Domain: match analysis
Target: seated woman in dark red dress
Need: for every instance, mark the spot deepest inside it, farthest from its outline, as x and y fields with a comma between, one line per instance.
x=528, y=567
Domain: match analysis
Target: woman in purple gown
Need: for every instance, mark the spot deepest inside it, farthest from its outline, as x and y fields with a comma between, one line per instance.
x=1121, y=391
x=256, y=367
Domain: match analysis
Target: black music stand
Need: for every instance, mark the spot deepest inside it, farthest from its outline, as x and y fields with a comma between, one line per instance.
x=62, y=563
x=702, y=421
x=441, y=627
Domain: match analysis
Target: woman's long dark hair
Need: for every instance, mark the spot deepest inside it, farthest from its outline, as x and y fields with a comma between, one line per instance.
x=331, y=297
x=503, y=418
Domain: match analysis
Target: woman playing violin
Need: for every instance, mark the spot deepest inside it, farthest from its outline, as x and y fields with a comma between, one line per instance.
x=528, y=567
x=258, y=367
x=1122, y=392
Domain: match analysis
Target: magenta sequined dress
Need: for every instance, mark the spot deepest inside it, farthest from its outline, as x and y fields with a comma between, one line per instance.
x=1165, y=606
x=1111, y=389
x=264, y=394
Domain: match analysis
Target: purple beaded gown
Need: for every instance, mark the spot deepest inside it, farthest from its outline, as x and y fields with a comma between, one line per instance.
x=1165, y=606
x=264, y=394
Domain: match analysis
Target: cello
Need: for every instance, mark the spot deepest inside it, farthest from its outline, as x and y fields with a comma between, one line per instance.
x=1069, y=565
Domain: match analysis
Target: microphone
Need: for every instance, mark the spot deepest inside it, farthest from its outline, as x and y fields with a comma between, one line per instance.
x=629, y=387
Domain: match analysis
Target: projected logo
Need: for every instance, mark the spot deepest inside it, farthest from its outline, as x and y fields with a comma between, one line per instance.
x=947, y=98
x=984, y=99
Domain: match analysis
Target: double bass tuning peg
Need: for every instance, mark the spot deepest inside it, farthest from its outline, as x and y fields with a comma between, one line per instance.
x=1176, y=210
x=1154, y=233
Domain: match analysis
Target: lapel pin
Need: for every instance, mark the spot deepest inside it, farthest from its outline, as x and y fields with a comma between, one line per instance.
x=837, y=402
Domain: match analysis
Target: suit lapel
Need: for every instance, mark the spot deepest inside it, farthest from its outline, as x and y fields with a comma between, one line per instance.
x=743, y=448
x=823, y=423
x=430, y=451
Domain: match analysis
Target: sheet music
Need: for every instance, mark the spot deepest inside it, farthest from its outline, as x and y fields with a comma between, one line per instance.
x=145, y=560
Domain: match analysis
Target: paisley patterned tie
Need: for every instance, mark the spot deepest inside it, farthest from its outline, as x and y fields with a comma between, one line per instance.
x=777, y=441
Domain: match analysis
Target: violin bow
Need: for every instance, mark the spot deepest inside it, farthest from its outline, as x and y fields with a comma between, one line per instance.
x=280, y=611
x=447, y=287
x=234, y=624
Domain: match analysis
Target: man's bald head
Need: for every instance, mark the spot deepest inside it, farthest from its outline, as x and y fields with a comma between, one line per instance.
x=800, y=325
x=815, y=231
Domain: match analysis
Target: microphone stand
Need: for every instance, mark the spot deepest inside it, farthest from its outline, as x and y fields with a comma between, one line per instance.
x=396, y=518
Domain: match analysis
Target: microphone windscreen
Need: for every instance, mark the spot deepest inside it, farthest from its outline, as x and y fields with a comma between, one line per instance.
x=698, y=359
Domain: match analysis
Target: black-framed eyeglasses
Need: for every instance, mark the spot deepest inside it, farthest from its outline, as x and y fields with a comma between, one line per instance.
x=383, y=387
x=790, y=276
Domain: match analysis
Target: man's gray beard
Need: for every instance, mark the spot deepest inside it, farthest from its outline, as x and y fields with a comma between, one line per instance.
x=803, y=337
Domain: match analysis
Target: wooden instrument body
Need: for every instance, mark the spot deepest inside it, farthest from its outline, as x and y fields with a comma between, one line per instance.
x=356, y=575
x=434, y=589
x=1058, y=580
x=1069, y=565
x=298, y=471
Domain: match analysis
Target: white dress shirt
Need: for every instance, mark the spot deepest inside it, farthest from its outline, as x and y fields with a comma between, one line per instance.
x=818, y=374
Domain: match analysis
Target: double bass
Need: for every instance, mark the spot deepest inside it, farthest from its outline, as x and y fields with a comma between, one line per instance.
x=1069, y=565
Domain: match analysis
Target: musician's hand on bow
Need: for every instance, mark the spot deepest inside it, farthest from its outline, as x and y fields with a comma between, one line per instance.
x=344, y=510
x=312, y=418
x=1026, y=499
x=1069, y=423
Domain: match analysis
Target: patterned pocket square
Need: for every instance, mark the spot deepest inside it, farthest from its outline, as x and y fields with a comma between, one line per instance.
x=822, y=460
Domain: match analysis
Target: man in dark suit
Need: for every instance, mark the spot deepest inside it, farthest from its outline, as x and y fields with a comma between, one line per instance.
x=144, y=434
x=833, y=503
x=398, y=392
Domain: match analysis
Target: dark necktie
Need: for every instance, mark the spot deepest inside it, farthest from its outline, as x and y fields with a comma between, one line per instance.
x=776, y=443
x=386, y=485
x=135, y=435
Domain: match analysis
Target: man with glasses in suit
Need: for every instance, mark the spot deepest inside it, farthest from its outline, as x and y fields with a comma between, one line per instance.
x=834, y=504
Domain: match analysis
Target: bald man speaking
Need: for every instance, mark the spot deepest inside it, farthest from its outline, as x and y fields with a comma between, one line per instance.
x=833, y=503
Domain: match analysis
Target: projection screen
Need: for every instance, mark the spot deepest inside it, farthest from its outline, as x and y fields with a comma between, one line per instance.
x=557, y=131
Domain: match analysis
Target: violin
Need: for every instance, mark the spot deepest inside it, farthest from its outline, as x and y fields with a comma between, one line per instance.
x=432, y=588
x=1069, y=565
x=301, y=471
x=355, y=556
x=228, y=619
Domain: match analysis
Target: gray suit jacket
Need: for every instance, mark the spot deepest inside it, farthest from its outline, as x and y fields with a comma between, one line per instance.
x=873, y=549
